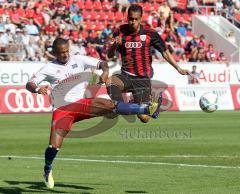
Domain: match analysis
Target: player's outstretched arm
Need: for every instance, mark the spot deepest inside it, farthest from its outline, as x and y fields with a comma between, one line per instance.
x=169, y=58
x=32, y=87
x=104, y=77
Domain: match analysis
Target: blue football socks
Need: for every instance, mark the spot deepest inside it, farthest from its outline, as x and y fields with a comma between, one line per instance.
x=131, y=108
x=50, y=155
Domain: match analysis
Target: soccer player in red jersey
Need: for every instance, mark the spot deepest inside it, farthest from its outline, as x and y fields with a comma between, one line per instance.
x=66, y=77
x=134, y=42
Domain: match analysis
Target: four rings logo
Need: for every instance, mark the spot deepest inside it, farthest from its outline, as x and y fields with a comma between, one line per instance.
x=20, y=100
x=133, y=45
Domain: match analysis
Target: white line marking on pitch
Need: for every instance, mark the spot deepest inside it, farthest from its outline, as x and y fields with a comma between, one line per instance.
x=154, y=156
x=126, y=162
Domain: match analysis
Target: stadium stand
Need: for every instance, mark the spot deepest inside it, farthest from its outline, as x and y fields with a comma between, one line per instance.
x=42, y=20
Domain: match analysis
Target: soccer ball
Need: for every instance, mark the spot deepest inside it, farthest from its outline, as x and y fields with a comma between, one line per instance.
x=209, y=102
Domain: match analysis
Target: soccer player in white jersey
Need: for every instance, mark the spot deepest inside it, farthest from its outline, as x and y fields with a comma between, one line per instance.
x=64, y=69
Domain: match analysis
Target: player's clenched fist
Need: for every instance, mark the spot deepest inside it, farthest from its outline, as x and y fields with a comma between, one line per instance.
x=118, y=40
x=42, y=90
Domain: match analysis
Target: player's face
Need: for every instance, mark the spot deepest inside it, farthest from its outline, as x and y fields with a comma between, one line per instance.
x=62, y=53
x=134, y=20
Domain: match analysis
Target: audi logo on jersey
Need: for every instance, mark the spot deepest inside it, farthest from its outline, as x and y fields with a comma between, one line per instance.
x=133, y=45
x=20, y=100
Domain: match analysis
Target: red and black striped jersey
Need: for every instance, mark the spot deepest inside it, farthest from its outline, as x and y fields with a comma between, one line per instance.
x=136, y=49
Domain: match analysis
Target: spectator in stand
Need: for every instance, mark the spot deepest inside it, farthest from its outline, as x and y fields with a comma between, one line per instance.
x=47, y=15
x=91, y=51
x=222, y=58
x=106, y=31
x=25, y=40
x=198, y=55
x=219, y=7
x=183, y=58
x=59, y=18
x=66, y=18
x=162, y=24
x=182, y=32
x=74, y=7
x=213, y=57
x=1, y=7
x=192, y=6
x=9, y=35
x=41, y=41
x=38, y=57
x=171, y=42
x=38, y=18
x=62, y=26
x=20, y=9
x=153, y=19
x=57, y=4
x=77, y=18
x=15, y=16
x=174, y=6
x=48, y=51
x=192, y=45
x=98, y=43
x=194, y=79
x=106, y=46
x=202, y=41
x=32, y=28
x=90, y=38
x=30, y=4
x=106, y=5
x=58, y=14
x=18, y=40
x=236, y=4
x=122, y=5
x=31, y=50
x=210, y=53
x=209, y=2
x=51, y=27
x=76, y=48
x=2, y=24
x=230, y=10
x=82, y=50
x=63, y=34
x=9, y=25
x=165, y=9
x=3, y=41
x=81, y=39
x=29, y=12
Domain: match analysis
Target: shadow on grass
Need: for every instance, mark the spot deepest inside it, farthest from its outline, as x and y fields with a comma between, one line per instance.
x=135, y=191
x=39, y=187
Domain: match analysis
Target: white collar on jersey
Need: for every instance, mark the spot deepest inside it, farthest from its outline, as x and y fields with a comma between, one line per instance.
x=60, y=63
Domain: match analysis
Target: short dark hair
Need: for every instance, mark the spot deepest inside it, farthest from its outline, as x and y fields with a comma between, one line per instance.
x=135, y=8
x=58, y=41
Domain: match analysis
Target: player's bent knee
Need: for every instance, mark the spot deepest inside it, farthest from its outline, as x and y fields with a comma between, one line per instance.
x=115, y=81
x=57, y=137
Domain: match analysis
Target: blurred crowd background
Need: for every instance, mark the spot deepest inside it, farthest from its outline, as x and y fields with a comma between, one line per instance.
x=28, y=28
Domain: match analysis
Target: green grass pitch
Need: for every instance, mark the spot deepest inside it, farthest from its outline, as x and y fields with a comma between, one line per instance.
x=180, y=152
